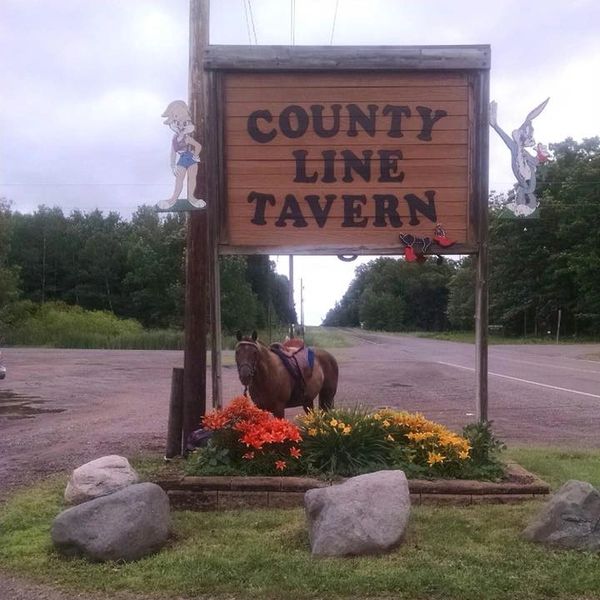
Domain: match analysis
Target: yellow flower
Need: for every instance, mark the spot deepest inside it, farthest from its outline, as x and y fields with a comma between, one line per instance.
x=390, y=438
x=434, y=457
x=341, y=425
x=333, y=422
x=386, y=423
x=312, y=432
x=463, y=455
x=419, y=436
x=347, y=430
x=377, y=417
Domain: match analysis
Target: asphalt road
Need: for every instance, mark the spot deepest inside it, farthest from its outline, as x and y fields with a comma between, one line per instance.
x=60, y=408
x=538, y=394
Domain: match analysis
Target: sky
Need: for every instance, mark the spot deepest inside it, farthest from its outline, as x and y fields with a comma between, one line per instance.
x=84, y=85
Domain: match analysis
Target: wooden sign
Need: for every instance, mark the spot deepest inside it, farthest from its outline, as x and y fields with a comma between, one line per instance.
x=328, y=161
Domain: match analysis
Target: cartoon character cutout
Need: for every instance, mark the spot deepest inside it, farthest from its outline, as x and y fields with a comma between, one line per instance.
x=524, y=164
x=185, y=156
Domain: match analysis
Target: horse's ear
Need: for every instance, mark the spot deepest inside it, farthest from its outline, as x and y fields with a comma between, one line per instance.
x=238, y=335
x=254, y=336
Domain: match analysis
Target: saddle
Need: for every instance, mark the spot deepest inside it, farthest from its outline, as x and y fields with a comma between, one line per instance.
x=299, y=361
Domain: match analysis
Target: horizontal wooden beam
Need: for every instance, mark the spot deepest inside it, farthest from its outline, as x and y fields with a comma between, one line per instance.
x=351, y=58
x=457, y=249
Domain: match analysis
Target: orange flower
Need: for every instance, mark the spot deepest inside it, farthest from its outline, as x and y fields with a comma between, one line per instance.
x=295, y=452
x=248, y=455
x=280, y=465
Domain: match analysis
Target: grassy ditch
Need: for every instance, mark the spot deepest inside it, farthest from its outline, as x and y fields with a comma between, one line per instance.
x=469, y=338
x=59, y=325
x=459, y=553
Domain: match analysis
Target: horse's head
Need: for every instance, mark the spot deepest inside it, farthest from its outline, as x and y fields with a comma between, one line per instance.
x=246, y=357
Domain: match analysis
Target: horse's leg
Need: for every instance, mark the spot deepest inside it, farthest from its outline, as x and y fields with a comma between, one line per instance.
x=330, y=382
x=308, y=406
x=326, y=399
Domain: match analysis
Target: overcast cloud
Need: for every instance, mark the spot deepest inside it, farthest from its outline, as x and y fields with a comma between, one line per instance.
x=84, y=85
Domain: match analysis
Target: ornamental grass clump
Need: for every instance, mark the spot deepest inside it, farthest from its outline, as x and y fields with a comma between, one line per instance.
x=342, y=442
x=247, y=440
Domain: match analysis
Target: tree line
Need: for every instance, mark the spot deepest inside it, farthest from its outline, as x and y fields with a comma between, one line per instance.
x=135, y=268
x=538, y=266
x=131, y=268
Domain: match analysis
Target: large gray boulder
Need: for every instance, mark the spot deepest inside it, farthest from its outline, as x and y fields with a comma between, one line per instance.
x=126, y=525
x=364, y=515
x=98, y=478
x=569, y=519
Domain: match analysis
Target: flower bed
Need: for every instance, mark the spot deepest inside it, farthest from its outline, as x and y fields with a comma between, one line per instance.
x=341, y=443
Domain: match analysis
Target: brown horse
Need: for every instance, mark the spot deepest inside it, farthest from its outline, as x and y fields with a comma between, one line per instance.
x=270, y=384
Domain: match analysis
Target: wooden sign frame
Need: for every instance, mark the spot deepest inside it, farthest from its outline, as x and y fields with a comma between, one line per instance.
x=209, y=65
x=470, y=62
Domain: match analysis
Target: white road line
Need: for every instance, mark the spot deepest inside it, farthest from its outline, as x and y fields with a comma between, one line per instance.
x=544, y=385
x=552, y=366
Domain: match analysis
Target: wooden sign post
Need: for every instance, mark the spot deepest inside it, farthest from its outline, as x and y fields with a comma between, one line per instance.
x=348, y=150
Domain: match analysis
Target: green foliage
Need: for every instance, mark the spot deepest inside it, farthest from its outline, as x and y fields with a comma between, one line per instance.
x=550, y=262
x=485, y=452
x=346, y=442
x=133, y=269
x=393, y=295
x=342, y=442
x=60, y=325
x=210, y=460
x=239, y=304
x=461, y=300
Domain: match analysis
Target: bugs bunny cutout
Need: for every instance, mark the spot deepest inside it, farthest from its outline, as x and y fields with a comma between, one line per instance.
x=185, y=156
x=523, y=163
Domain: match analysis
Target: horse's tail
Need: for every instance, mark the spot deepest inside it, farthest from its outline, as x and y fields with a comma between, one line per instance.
x=330, y=370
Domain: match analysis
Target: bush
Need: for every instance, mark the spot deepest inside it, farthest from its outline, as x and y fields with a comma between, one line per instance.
x=348, y=442
x=249, y=441
x=485, y=451
x=342, y=442
x=61, y=325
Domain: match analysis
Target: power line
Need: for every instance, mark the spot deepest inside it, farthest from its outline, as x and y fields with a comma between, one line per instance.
x=247, y=21
x=252, y=21
x=337, y=3
x=293, y=21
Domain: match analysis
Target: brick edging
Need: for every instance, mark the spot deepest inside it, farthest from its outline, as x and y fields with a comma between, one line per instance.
x=223, y=493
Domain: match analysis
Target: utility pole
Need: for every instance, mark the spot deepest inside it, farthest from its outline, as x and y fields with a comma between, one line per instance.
x=197, y=255
x=291, y=295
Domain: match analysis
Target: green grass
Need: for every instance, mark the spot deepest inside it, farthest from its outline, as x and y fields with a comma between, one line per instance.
x=458, y=553
x=469, y=337
x=327, y=337
x=555, y=466
x=322, y=337
x=58, y=325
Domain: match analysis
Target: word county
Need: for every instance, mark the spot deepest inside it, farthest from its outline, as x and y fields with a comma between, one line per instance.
x=348, y=166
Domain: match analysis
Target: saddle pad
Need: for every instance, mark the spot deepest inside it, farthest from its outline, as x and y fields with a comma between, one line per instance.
x=299, y=363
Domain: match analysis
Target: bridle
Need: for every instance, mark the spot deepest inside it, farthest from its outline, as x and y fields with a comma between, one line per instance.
x=251, y=366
